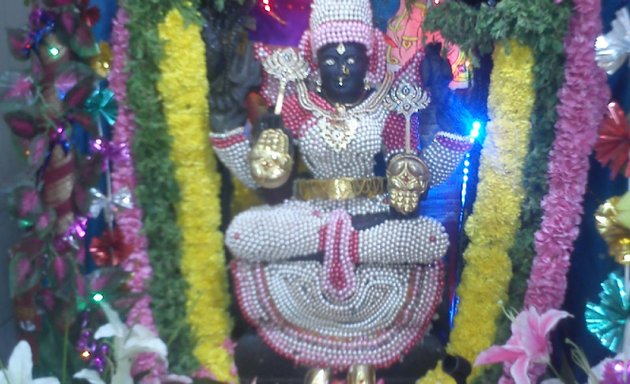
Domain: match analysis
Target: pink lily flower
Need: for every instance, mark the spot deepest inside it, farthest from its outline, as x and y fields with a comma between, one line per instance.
x=529, y=343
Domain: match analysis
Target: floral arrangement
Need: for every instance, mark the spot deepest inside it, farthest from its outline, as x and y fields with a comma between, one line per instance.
x=476, y=29
x=493, y=224
x=528, y=344
x=583, y=101
x=123, y=176
x=60, y=111
x=20, y=367
x=184, y=89
x=162, y=116
x=157, y=187
x=157, y=245
x=126, y=344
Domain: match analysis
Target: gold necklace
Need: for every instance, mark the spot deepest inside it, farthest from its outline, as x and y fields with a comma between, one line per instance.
x=338, y=127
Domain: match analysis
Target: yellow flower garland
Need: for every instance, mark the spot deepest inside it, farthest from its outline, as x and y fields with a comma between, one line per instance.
x=491, y=228
x=184, y=89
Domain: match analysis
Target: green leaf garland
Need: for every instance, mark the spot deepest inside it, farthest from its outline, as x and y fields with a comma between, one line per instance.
x=158, y=191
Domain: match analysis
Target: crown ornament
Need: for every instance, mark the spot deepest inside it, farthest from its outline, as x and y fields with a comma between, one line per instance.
x=337, y=21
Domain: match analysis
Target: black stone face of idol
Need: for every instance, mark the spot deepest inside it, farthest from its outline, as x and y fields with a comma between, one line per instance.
x=343, y=71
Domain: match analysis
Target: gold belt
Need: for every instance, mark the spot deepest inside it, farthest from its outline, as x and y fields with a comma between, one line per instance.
x=344, y=188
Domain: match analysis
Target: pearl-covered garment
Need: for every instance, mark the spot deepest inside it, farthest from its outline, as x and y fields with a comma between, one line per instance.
x=374, y=294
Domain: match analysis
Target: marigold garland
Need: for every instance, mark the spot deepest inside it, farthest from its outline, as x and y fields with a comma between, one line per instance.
x=437, y=376
x=157, y=191
x=184, y=91
x=492, y=226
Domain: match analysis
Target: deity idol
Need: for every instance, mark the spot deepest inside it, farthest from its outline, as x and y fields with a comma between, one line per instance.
x=345, y=272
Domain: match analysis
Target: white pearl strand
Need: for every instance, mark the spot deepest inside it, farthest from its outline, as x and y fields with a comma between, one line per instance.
x=375, y=326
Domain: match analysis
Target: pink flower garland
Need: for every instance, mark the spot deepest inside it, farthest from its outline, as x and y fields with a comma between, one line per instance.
x=583, y=99
x=130, y=220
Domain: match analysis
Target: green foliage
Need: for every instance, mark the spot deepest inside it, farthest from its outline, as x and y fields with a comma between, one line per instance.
x=55, y=347
x=158, y=191
x=537, y=23
x=542, y=25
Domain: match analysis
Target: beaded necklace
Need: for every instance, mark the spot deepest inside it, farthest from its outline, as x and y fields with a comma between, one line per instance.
x=339, y=125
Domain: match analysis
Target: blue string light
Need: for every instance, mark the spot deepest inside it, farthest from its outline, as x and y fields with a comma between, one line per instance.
x=474, y=134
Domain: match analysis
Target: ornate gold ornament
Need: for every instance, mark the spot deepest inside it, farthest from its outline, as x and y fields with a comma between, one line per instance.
x=408, y=179
x=338, y=131
x=338, y=127
x=408, y=176
x=285, y=65
x=317, y=376
x=270, y=159
x=407, y=99
x=361, y=374
x=339, y=189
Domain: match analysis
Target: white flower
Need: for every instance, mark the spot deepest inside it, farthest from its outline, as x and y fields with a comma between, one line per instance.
x=127, y=344
x=20, y=368
x=90, y=375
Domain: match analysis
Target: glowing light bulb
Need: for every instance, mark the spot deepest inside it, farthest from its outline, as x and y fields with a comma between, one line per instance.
x=85, y=355
x=474, y=133
x=267, y=8
x=98, y=297
x=54, y=51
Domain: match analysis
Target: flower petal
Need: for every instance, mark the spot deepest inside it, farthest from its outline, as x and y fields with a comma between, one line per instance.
x=521, y=325
x=46, y=380
x=3, y=376
x=496, y=354
x=519, y=371
x=90, y=375
x=106, y=330
x=114, y=319
x=20, y=368
x=550, y=319
x=177, y=379
x=143, y=340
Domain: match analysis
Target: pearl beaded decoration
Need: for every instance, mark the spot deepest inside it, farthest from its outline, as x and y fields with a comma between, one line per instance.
x=444, y=154
x=389, y=312
x=337, y=21
x=232, y=149
x=375, y=292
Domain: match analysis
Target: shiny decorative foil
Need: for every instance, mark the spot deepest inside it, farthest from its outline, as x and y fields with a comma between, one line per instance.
x=102, y=63
x=109, y=205
x=613, y=48
x=103, y=104
x=607, y=319
x=109, y=249
x=613, y=143
x=610, y=219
